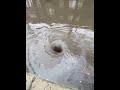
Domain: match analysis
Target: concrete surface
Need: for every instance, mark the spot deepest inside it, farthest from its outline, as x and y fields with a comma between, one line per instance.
x=33, y=83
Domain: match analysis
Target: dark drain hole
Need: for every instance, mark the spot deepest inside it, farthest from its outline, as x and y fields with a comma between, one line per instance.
x=57, y=49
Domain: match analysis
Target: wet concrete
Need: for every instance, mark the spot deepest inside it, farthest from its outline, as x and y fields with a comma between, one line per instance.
x=33, y=83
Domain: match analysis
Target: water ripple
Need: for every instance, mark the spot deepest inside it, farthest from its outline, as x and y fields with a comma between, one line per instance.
x=55, y=55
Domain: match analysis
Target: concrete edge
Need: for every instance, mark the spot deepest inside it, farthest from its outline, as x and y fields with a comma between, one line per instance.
x=33, y=83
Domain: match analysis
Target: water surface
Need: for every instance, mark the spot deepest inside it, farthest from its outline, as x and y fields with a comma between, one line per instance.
x=60, y=41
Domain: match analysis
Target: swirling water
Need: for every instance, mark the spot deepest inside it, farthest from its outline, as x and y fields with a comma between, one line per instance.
x=54, y=54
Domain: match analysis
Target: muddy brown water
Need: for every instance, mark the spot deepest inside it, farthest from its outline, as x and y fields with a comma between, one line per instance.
x=75, y=12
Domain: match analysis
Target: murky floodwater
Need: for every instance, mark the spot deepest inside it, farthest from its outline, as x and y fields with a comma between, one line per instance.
x=60, y=41
x=75, y=12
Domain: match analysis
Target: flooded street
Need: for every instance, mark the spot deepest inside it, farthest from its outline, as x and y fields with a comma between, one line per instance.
x=60, y=41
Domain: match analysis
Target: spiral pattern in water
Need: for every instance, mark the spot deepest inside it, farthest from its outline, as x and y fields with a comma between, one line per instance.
x=54, y=55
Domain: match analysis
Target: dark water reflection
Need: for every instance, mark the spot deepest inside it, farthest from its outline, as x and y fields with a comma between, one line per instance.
x=75, y=12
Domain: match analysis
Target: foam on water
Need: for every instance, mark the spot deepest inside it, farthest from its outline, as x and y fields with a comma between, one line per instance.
x=73, y=66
